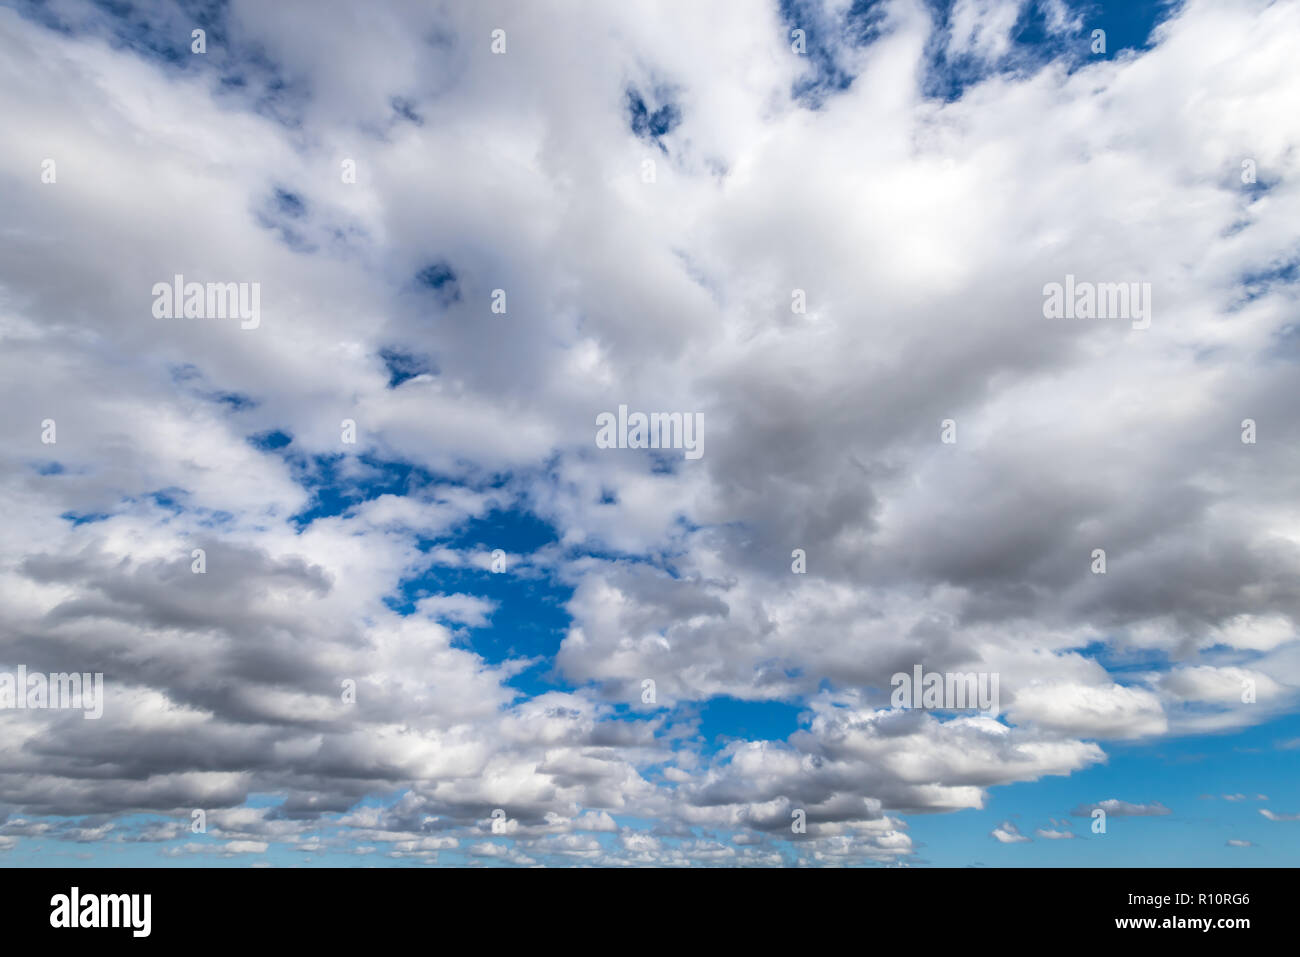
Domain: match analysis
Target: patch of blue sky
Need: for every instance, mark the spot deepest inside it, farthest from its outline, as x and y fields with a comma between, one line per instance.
x=235, y=401
x=1261, y=282
x=1036, y=38
x=139, y=28
x=168, y=498
x=1128, y=25
x=723, y=720
x=822, y=39
x=403, y=365
x=530, y=617
x=191, y=378
x=162, y=34
x=1188, y=775
x=282, y=212
x=652, y=121
x=1032, y=43
x=214, y=518
x=85, y=518
x=289, y=203
x=142, y=28
x=253, y=76
x=338, y=482
x=439, y=277
x=1119, y=661
x=171, y=499
x=270, y=441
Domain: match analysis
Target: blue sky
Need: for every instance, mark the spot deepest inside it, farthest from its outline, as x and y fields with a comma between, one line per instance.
x=822, y=230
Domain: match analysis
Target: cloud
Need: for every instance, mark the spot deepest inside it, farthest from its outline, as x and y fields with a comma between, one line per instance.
x=1274, y=816
x=1053, y=835
x=918, y=177
x=1117, y=808
x=1008, y=833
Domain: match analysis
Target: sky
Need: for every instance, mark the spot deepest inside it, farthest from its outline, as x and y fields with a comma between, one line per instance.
x=367, y=586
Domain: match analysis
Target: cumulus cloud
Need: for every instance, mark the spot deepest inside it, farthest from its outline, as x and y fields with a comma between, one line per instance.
x=353, y=639
x=1008, y=833
x=1275, y=816
x=1054, y=835
x=1117, y=808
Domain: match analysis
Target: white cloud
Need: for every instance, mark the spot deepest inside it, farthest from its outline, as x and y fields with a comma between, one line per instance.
x=921, y=232
x=1008, y=833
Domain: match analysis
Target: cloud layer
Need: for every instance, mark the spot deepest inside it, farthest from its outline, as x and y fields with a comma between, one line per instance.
x=654, y=195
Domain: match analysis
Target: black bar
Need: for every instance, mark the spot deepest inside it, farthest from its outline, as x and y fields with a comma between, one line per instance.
x=920, y=907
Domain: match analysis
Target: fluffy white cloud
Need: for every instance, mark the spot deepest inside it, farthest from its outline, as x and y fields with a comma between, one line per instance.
x=920, y=231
